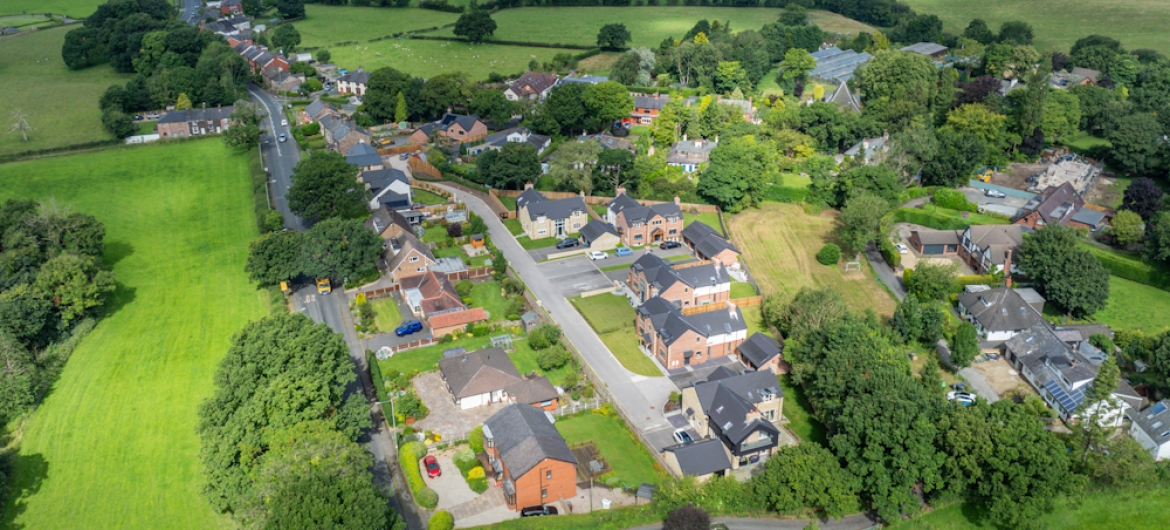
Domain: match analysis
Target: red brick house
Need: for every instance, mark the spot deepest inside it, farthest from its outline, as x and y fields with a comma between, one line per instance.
x=646, y=108
x=1056, y=205
x=639, y=225
x=448, y=323
x=458, y=127
x=677, y=340
x=707, y=244
x=231, y=7
x=533, y=463
x=531, y=85
x=683, y=285
x=406, y=255
x=194, y=122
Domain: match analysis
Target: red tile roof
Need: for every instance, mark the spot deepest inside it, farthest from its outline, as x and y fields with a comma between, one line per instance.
x=458, y=318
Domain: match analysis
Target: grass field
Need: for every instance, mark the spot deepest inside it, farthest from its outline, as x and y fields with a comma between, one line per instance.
x=73, y=8
x=605, y=313
x=1059, y=23
x=1114, y=510
x=325, y=26
x=425, y=58
x=779, y=242
x=1135, y=306
x=648, y=26
x=628, y=458
x=70, y=114
x=114, y=445
x=387, y=316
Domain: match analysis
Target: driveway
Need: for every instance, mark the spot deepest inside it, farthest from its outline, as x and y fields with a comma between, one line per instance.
x=450, y=486
x=570, y=276
x=446, y=418
x=1009, y=206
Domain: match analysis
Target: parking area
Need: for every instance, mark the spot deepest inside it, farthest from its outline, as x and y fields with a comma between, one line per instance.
x=1001, y=377
x=446, y=418
x=389, y=339
x=912, y=258
x=452, y=489
x=579, y=273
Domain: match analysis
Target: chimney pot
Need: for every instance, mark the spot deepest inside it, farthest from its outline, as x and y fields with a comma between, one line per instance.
x=527, y=185
x=865, y=145
x=677, y=200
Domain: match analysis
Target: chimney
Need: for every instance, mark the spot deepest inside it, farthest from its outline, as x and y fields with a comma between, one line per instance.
x=677, y=201
x=698, y=143
x=527, y=185
x=620, y=190
x=865, y=144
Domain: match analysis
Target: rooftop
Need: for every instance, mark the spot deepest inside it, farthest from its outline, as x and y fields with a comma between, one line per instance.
x=524, y=436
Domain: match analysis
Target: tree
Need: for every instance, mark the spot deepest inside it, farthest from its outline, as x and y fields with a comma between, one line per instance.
x=444, y=91
x=615, y=169
x=809, y=310
x=84, y=47
x=796, y=65
x=806, y=476
x=737, y=173
x=295, y=9
x=244, y=126
x=932, y=282
x=836, y=190
x=829, y=254
x=1099, y=408
x=1158, y=238
x=923, y=28
x=626, y=69
x=917, y=322
x=118, y=123
x=491, y=104
x=687, y=517
x=75, y=284
x=1143, y=197
x=956, y=156
x=613, y=37
x=324, y=186
x=275, y=257
x=400, y=110
x=286, y=37
x=18, y=374
x=382, y=91
x=475, y=26
x=1062, y=114
x=512, y=166
x=729, y=77
x=1068, y=275
x=605, y=104
x=1016, y=33
x=894, y=75
x=965, y=346
x=978, y=31
x=571, y=166
x=323, y=56
x=25, y=314
x=340, y=248
x=861, y=220
x=20, y=123
x=1126, y=228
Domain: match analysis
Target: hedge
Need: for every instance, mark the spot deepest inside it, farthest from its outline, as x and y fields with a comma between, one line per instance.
x=890, y=253
x=409, y=455
x=510, y=42
x=376, y=376
x=1130, y=269
x=441, y=520
x=954, y=200
x=916, y=193
x=475, y=439
x=785, y=194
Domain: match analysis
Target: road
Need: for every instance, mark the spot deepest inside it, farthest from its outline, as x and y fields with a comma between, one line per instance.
x=852, y=522
x=279, y=157
x=189, y=13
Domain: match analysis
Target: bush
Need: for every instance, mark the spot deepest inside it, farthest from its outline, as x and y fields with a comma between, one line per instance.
x=463, y=288
x=512, y=286
x=273, y=221
x=455, y=230
x=515, y=308
x=427, y=498
x=687, y=518
x=954, y=200
x=465, y=460
x=555, y=357
x=478, y=485
x=411, y=406
x=830, y=254
x=543, y=336
x=475, y=439
x=409, y=455
x=476, y=472
x=441, y=520
x=890, y=253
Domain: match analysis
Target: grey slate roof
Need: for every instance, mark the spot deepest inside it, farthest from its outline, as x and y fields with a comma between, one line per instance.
x=925, y=48
x=359, y=76
x=844, y=98
x=1154, y=421
x=588, y=79
x=728, y=401
x=705, y=324
x=760, y=348
x=479, y=372
x=524, y=437
x=405, y=242
x=646, y=213
x=317, y=107
x=529, y=196
x=383, y=217
x=1037, y=348
x=538, y=205
x=183, y=116
x=595, y=229
x=650, y=102
x=380, y=179
x=623, y=201
x=939, y=237
x=701, y=458
x=1055, y=205
x=1000, y=309
x=697, y=231
x=1089, y=217
x=363, y=155
x=464, y=120
x=532, y=390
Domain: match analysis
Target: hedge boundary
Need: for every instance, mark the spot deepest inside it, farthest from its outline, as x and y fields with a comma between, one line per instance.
x=528, y=44
x=409, y=455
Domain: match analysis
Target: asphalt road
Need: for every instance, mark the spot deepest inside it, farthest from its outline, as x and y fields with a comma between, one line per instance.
x=190, y=11
x=279, y=157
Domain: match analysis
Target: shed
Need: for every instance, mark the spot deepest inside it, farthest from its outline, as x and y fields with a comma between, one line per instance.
x=530, y=320
x=477, y=240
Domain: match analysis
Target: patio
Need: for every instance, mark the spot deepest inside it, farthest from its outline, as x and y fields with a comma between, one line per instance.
x=446, y=418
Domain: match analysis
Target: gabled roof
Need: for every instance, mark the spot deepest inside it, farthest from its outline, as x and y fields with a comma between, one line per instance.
x=383, y=217
x=712, y=246
x=998, y=240
x=556, y=209
x=380, y=179
x=529, y=196
x=835, y=64
x=1091, y=74
x=844, y=98
x=182, y=116
x=532, y=390
x=317, y=107
x=1000, y=309
x=359, y=76
x=650, y=102
x=458, y=318
x=697, y=231
x=363, y=155
x=465, y=121
x=1154, y=421
x=1055, y=205
x=537, y=82
x=524, y=436
x=702, y=457
x=939, y=237
x=595, y=229
x=715, y=322
x=1088, y=216
x=621, y=202
x=478, y=372
x=643, y=214
x=405, y=242
x=729, y=403
x=760, y=348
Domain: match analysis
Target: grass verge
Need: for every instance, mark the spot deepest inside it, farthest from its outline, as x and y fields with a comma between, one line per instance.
x=534, y=244
x=800, y=415
x=426, y=197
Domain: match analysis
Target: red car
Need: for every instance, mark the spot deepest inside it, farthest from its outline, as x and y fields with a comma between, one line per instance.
x=432, y=467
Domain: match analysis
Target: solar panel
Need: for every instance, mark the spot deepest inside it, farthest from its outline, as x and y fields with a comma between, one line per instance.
x=1158, y=408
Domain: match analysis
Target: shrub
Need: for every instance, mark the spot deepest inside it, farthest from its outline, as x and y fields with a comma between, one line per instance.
x=571, y=380
x=687, y=517
x=465, y=460
x=890, y=253
x=954, y=200
x=543, y=336
x=411, y=406
x=475, y=439
x=427, y=498
x=555, y=357
x=830, y=254
x=463, y=287
x=515, y=308
x=409, y=455
x=1103, y=342
x=512, y=286
x=476, y=472
x=455, y=230
x=478, y=485
x=441, y=520
x=273, y=221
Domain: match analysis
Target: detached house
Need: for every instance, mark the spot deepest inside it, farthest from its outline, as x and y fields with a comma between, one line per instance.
x=341, y=135
x=689, y=154
x=354, y=82
x=388, y=223
x=319, y=109
x=430, y=293
x=989, y=248
x=497, y=141
x=682, y=285
x=646, y=108
x=231, y=7
x=479, y=378
x=1056, y=205
x=707, y=244
x=390, y=188
x=194, y=122
x=458, y=127
x=678, y=340
x=645, y=224
x=531, y=459
x=406, y=255
x=743, y=411
x=541, y=217
x=1151, y=428
x=531, y=85
x=998, y=314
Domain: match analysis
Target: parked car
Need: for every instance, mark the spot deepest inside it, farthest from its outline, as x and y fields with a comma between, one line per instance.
x=995, y=193
x=568, y=242
x=902, y=248
x=681, y=436
x=537, y=511
x=138, y=118
x=408, y=327
x=284, y=123
x=417, y=206
x=432, y=466
x=965, y=398
x=597, y=254
x=283, y=138
x=667, y=245
x=404, y=156
x=623, y=251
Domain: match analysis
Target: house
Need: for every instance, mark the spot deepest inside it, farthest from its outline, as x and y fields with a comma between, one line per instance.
x=991, y=248
x=364, y=156
x=599, y=236
x=531, y=85
x=689, y=154
x=745, y=106
x=531, y=459
x=458, y=127
x=229, y=27
x=929, y=49
x=835, y=65
x=682, y=285
x=1090, y=76
x=1151, y=428
x=609, y=141
x=390, y=187
x=702, y=459
x=194, y=122
x=319, y=109
x=1055, y=205
x=497, y=141
x=231, y=7
x=1036, y=302
x=649, y=224
x=541, y=217
x=354, y=82
x=936, y=242
x=619, y=203
x=277, y=79
x=646, y=108
x=342, y=134
x=1062, y=374
x=407, y=256
x=761, y=352
x=479, y=378
x=1089, y=218
x=998, y=314
x=707, y=244
x=844, y=98
x=678, y=340
x=867, y=149
x=388, y=223
x=429, y=293
x=259, y=58
x=743, y=411
x=447, y=323
x=533, y=390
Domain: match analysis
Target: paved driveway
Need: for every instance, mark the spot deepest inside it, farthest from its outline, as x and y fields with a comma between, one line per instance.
x=450, y=486
x=446, y=418
x=570, y=276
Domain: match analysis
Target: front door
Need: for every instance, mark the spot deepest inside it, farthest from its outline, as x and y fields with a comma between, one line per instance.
x=560, y=228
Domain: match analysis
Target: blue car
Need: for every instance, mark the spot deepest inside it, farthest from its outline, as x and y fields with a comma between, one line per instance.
x=623, y=251
x=408, y=327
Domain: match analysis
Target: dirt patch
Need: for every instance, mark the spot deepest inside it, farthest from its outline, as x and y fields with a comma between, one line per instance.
x=1001, y=376
x=1016, y=176
x=585, y=453
x=1106, y=191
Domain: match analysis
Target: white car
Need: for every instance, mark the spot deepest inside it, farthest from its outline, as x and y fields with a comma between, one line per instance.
x=284, y=123
x=282, y=138
x=901, y=248
x=965, y=398
x=995, y=193
x=596, y=255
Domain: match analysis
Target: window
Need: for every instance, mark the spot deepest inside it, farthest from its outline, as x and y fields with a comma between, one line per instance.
x=541, y=231
x=489, y=442
x=548, y=475
x=576, y=225
x=768, y=398
x=543, y=493
x=413, y=259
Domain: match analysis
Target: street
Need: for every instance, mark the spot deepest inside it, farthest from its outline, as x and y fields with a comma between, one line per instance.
x=190, y=11
x=279, y=158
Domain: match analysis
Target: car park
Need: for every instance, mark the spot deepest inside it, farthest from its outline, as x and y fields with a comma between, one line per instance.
x=408, y=327
x=432, y=466
x=623, y=251
x=568, y=242
x=902, y=248
x=667, y=245
x=964, y=398
x=537, y=511
x=995, y=193
x=597, y=254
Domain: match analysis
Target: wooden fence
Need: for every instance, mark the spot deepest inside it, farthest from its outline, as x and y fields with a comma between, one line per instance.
x=687, y=207
x=418, y=165
x=397, y=150
x=748, y=302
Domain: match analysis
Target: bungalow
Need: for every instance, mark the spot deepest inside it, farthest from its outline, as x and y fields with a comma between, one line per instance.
x=689, y=154
x=407, y=256
x=458, y=127
x=429, y=293
x=194, y=122
x=479, y=378
x=388, y=223
x=354, y=82
x=991, y=248
x=390, y=187
x=867, y=149
x=1055, y=205
x=447, y=323
x=1151, y=428
x=531, y=459
x=682, y=285
x=531, y=85
x=707, y=244
x=599, y=236
x=649, y=224
x=678, y=340
x=364, y=156
x=541, y=217
x=743, y=411
x=761, y=352
x=533, y=390
x=936, y=242
x=497, y=141
x=998, y=314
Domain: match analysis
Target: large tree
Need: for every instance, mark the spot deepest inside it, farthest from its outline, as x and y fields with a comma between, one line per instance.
x=605, y=104
x=1143, y=197
x=895, y=76
x=861, y=220
x=806, y=476
x=475, y=26
x=572, y=165
x=1126, y=228
x=954, y=159
x=275, y=257
x=810, y=309
x=613, y=37
x=340, y=248
x=1068, y=275
x=383, y=88
x=324, y=186
x=442, y=92
x=75, y=284
x=1158, y=238
x=737, y=173
x=931, y=282
x=1137, y=145
x=291, y=9
x=511, y=167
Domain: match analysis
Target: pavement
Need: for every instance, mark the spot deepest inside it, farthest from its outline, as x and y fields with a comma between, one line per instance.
x=279, y=158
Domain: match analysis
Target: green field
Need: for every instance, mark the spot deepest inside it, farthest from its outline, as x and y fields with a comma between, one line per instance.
x=73, y=8
x=605, y=312
x=648, y=26
x=114, y=445
x=1059, y=23
x=61, y=104
x=1135, y=306
x=628, y=458
x=1114, y=510
x=425, y=58
x=325, y=26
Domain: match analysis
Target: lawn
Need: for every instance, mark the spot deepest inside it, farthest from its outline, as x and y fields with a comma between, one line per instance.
x=625, y=455
x=426, y=197
x=799, y=413
x=425, y=58
x=509, y=203
x=709, y=219
x=779, y=244
x=514, y=226
x=1135, y=306
x=742, y=290
x=325, y=26
x=71, y=116
x=525, y=360
x=434, y=234
x=146, y=127
x=623, y=345
x=605, y=312
x=944, y=218
x=114, y=445
x=487, y=295
x=533, y=244
x=424, y=359
x=73, y=8
x=1059, y=23
x=648, y=26
x=387, y=316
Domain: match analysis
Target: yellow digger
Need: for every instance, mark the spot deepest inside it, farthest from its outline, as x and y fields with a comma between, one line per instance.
x=323, y=286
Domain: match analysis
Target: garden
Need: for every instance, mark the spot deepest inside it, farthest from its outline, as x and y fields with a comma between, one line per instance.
x=612, y=318
x=631, y=463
